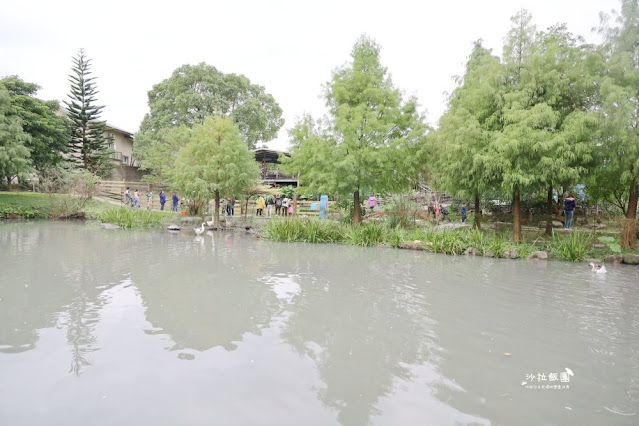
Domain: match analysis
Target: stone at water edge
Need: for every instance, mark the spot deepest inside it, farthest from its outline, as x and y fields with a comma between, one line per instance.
x=543, y=255
x=511, y=254
x=470, y=251
x=599, y=245
x=631, y=259
x=614, y=258
x=110, y=226
x=411, y=246
x=173, y=227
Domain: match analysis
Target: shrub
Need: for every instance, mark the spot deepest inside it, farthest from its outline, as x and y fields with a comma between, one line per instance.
x=404, y=212
x=74, y=189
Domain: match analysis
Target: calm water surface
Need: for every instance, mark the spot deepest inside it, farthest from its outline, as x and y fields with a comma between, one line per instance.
x=103, y=327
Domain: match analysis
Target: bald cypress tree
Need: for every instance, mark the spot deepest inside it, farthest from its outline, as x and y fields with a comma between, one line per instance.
x=89, y=147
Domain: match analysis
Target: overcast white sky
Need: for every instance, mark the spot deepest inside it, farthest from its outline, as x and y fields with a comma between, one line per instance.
x=288, y=46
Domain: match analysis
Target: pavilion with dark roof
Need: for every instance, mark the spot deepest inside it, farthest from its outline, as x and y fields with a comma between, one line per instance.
x=266, y=156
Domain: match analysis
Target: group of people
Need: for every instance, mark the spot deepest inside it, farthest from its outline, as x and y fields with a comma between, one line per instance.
x=133, y=199
x=282, y=206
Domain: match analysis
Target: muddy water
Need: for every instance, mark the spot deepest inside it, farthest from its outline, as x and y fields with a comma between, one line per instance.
x=121, y=327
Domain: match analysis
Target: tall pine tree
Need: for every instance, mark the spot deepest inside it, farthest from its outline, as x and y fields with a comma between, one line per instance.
x=89, y=147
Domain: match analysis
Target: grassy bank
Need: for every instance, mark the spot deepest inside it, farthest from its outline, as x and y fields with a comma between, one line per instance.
x=24, y=205
x=28, y=205
x=573, y=247
x=129, y=218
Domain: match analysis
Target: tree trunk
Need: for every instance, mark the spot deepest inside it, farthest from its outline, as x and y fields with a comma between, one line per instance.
x=477, y=213
x=357, y=215
x=629, y=226
x=516, y=216
x=217, y=209
x=549, y=211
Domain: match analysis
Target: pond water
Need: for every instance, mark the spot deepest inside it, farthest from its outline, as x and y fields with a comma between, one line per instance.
x=103, y=327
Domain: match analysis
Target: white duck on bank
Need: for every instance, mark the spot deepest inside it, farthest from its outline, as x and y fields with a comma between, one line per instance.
x=200, y=231
x=211, y=222
x=599, y=269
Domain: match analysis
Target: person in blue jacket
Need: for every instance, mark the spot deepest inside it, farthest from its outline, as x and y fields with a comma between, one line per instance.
x=463, y=212
x=175, y=201
x=569, y=209
x=162, y=200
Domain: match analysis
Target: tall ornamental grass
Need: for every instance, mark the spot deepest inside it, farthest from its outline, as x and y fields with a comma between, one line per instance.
x=305, y=231
x=132, y=218
x=574, y=247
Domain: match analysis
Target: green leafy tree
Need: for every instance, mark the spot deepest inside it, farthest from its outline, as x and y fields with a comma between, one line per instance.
x=619, y=138
x=372, y=137
x=523, y=140
x=214, y=161
x=14, y=155
x=563, y=72
x=468, y=128
x=89, y=148
x=49, y=133
x=195, y=92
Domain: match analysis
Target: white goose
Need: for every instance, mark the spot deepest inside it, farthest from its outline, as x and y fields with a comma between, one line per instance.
x=211, y=222
x=599, y=269
x=200, y=231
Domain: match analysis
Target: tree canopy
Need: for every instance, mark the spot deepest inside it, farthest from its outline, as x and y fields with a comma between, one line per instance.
x=191, y=95
x=467, y=129
x=618, y=151
x=371, y=139
x=49, y=133
x=214, y=160
x=14, y=155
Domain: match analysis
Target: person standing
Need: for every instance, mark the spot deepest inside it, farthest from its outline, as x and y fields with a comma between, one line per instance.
x=463, y=212
x=232, y=206
x=162, y=200
x=285, y=203
x=136, y=197
x=270, y=201
x=372, y=202
x=127, y=196
x=149, y=199
x=175, y=200
x=278, y=205
x=261, y=204
x=569, y=209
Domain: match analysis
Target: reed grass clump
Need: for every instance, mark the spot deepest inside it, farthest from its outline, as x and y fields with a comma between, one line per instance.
x=305, y=231
x=574, y=247
x=131, y=218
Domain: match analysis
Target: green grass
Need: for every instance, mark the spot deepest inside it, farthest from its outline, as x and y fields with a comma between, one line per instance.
x=306, y=231
x=454, y=242
x=573, y=247
x=24, y=205
x=129, y=218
